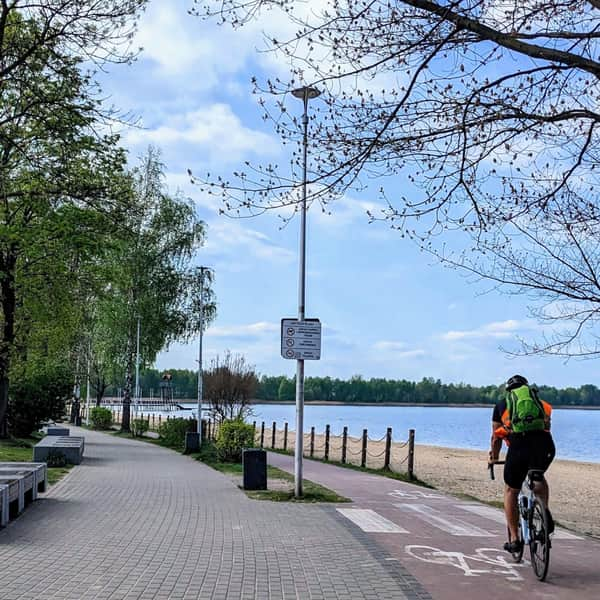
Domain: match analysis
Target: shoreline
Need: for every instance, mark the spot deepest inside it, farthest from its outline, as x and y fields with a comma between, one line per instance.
x=392, y=404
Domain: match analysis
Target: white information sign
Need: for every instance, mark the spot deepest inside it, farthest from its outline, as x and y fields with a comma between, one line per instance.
x=301, y=340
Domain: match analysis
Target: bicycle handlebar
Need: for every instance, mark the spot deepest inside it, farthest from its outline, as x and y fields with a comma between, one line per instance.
x=491, y=467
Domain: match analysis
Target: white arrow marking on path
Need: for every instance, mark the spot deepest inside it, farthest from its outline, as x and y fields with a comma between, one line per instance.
x=370, y=521
x=453, y=527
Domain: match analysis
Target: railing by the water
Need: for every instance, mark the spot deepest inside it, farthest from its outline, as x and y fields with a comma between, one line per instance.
x=380, y=454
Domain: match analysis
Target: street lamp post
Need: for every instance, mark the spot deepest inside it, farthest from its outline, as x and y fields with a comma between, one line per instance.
x=137, y=369
x=305, y=93
x=199, y=427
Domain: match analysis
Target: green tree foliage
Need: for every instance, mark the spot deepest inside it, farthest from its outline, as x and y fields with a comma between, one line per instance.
x=58, y=181
x=151, y=277
x=38, y=396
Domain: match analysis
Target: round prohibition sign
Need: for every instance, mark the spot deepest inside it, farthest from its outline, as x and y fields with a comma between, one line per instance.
x=289, y=342
x=291, y=331
x=289, y=353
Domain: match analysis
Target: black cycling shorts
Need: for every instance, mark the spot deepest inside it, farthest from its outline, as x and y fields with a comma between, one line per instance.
x=533, y=450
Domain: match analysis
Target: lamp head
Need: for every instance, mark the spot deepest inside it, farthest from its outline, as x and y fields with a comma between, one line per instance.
x=307, y=92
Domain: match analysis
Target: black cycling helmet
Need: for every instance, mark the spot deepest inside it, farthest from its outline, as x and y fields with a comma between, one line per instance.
x=516, y=381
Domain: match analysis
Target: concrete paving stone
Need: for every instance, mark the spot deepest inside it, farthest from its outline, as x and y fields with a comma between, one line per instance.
x=138, y=521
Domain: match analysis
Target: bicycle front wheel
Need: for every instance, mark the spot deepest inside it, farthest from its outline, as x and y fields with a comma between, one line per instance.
x=539, y=543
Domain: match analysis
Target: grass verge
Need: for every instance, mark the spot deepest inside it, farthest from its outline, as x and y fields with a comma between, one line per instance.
x=281, y=482
x=21, y=450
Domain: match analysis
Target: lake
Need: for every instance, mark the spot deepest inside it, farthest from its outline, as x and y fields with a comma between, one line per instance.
x=576, y=432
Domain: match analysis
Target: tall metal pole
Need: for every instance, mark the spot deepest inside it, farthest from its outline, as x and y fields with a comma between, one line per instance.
x=199, y=428
x=305, y=93
x=87, y=391
x=137, y=368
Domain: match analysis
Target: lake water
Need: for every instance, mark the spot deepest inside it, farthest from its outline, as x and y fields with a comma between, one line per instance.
x=576, y=432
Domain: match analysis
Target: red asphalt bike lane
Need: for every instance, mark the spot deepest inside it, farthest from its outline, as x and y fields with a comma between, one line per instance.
x=453, y=546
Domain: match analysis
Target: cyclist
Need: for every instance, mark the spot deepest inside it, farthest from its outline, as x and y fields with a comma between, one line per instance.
x=530, y=446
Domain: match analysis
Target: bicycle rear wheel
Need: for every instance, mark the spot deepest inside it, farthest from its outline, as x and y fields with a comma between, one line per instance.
x=539, y=544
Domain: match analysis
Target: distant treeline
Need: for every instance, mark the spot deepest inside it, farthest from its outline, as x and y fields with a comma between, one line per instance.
x=426, y=391
x=327, y=389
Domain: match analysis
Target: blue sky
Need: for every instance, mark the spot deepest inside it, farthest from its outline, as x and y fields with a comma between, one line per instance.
x=387, y=309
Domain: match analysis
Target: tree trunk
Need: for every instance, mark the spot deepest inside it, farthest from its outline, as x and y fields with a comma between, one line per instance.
x=7, y=292
x=126, y=418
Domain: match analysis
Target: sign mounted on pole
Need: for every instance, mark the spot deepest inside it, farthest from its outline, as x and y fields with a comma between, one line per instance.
x=301, y=340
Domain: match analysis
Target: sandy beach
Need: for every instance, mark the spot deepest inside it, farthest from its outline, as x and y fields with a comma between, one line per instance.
x=574, y=486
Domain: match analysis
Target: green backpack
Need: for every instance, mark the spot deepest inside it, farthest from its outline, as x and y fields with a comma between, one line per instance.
x=525, y=410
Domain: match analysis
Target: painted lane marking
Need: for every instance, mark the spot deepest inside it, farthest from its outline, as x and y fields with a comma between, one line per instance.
x=453, y=527
x=495, y=563
x=414, y=495
x=369, y=521
x=497, y=515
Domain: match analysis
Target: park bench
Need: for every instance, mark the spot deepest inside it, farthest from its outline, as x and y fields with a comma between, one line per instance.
x=4, y=502
x=54, y=430
x=71, y=447
x=40, y=471
x=20, y=488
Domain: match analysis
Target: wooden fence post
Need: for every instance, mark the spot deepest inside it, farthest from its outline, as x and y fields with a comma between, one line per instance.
x=262, y=434
x=411, y=453
x=285, y=432
x=344, y=442
x=326, y=442
x=388, y=448
x=312, y=442
x=363, y=458
x=254, y=432
x=273, y=434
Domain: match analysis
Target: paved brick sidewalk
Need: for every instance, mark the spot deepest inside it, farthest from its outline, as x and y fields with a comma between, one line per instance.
x=136, y=521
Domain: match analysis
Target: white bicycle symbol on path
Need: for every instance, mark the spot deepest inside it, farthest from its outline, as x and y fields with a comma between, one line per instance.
x=495, y=563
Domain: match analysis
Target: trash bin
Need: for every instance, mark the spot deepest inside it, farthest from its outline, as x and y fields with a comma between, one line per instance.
x=192, y=442
x=254, y=463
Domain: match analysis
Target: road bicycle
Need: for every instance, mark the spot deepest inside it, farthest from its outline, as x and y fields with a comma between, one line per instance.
x=533, y=523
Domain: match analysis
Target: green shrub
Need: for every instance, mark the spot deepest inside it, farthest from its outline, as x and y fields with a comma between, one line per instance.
x=36, y=398
x=101, y=418
x=139, y=427
x=172, y=431
x=234, y=435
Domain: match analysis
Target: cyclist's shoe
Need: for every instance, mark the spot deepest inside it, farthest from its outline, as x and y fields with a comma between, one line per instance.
x=550, y=521
x=514, y=546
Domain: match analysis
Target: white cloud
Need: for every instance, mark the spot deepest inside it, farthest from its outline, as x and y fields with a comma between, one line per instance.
x=227, y=239
x=342, y=212
x=214, y=130
x=397, y=349
x=250, y=330
x=497, y=330
x=385, y=346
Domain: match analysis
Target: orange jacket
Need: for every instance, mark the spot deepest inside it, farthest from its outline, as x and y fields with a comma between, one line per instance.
x=504, y=430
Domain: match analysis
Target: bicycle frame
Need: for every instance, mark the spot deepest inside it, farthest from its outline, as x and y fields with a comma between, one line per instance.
x=538, y=541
